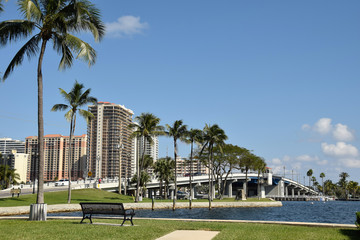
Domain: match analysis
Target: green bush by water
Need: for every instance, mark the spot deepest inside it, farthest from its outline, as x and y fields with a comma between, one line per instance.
x=358, y=220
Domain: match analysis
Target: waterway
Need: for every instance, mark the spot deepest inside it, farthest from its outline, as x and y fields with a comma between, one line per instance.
x=321, y=212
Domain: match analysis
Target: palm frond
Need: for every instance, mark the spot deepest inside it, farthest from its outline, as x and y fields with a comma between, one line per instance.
x=86, y=114
x=68, y=115
x=83, y=50
x=30, y=49
x=65, y=95
x=66, y=55
x=13, y=30
x=30, y=9
x=84, y=16
x=59, y=107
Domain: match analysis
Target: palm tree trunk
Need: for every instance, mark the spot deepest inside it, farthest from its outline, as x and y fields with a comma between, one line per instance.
x=70, y=156
x=175, y=191
x=41, y=159
x=138, y=172
x=258, y=186
x=246, y=183
x=190, y=175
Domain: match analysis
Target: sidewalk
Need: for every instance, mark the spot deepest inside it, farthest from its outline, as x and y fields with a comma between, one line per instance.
x=189, y=235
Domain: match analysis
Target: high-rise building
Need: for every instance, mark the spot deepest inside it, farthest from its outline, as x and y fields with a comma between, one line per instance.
x=56, y=150
x=8, y=144
x=151, y=149
x=109, y=142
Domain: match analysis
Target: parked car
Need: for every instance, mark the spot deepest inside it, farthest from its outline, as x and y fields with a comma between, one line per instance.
x=62, y=182
x=182, y=195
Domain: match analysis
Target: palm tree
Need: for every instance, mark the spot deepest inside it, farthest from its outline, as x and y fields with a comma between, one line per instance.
x=176, y=131
x=54, y=20
x=75, y=99
x=164, y=172
x=309, y=174
x=343, y=182
x=247, y=162
x=322, y=175
x=260, y=167
x=193, y=136
x=213, y=136
x=8, y=175
x=145, y=127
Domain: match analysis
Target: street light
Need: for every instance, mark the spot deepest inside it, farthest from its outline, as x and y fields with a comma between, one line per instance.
x=120, y=147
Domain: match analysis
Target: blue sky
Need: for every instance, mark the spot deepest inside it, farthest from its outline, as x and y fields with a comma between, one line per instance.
x=280, y=77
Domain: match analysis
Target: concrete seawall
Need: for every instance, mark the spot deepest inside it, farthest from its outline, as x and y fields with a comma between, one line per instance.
x=8, y=211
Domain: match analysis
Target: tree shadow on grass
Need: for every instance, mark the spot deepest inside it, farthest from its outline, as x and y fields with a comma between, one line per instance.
x=353, y=234
x=16, y=199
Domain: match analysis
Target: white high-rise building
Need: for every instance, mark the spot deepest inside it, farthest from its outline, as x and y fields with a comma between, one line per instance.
x=151, y=149
x=8, y=144
x=109, y=144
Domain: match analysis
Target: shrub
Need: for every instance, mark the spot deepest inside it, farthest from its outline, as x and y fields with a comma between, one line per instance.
x=357, y=219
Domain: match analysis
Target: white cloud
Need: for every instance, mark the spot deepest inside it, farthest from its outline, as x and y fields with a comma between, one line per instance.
x=276, y=161
x=126, y=26
x=306, y=127
x=341, y=149
x=323, y=162
x=307, y=158
x=342, y=133
x=323, y=126
x=351, y=163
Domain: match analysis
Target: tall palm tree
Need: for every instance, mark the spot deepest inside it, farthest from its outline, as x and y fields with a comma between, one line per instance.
x=145, y=128
x=213, y=136
x=193, y=136
x=75, y=99
x=177, y=131
x=309, y=174
x=322, y=175
x=54, y=21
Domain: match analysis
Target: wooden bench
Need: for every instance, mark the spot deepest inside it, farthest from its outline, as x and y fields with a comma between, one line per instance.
x=15, y=191
x=92, y=208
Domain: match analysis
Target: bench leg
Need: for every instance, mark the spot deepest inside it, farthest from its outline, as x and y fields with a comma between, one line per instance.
x=86, y=217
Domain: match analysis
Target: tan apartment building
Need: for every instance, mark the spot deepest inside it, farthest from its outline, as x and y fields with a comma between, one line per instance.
x=183, y=167
x=109, y=142
x=56, y=149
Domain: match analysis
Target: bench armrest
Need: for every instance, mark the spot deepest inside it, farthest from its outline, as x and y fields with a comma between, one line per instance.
x=129, y=211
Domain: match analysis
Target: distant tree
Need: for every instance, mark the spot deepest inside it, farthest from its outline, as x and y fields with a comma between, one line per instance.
x=213, y=136
x=309, y=174
x=75, y=99
x=8, y=176
x=352, y=187
x=313, y=179
x=177, y=131
x=322, y=175
x=225, y=160
x=144, y=179
x=192, y=136
x=145, y=128
x=247, y=163
x=260, y=167
x=164, y=171
x=343, y=183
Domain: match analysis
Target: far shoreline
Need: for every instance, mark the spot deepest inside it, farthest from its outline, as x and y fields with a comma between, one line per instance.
x=22, y=210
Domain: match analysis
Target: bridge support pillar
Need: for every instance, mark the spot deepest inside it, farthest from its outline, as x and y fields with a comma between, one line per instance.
x=213, y=192
x=192, y=190
x=293, y=192
x=262, y=191
x=299, y=193
x=228, y=190
x=286, y=191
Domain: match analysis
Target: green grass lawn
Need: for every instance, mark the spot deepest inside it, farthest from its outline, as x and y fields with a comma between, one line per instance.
x=87, y=195
x=152, y=229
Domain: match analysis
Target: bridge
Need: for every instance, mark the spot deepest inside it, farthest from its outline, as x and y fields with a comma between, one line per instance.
x=272, y=186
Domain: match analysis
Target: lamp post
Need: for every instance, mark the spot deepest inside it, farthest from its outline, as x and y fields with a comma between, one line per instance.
x=120, y=147
x=128, y=155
